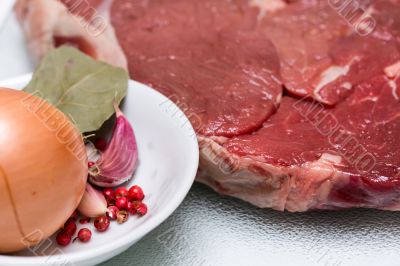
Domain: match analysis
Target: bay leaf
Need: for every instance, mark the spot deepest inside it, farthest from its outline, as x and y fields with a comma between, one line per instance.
x=81, y=87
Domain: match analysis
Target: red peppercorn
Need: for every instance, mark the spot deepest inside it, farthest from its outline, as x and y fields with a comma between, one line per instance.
x=70, y=227
x=102, y=223
x=131, y=208
x=100, y=144
x=109, y=193
x=121, y=203
x=84, y=220
x=84, y=235
x=121, y=192
x=90, y=164
x=112, y=212
x=141, y=209
x=63, y=238
x=110, y=202
x=135, y=193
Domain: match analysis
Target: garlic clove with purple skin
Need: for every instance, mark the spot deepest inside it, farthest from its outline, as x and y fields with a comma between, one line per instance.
x=119, y=160
x=93, y=202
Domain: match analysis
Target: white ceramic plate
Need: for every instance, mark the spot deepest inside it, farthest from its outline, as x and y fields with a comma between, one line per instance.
x=168, y=154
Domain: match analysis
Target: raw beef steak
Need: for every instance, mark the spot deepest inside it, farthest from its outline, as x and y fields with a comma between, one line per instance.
x=320, y=158
x=228, y=78
x=296, y=103
x=322, y=47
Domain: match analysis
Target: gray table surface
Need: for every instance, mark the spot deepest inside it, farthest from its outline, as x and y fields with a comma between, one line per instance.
x=208, y=229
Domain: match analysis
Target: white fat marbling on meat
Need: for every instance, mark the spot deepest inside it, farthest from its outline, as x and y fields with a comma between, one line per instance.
x=253, y=82
x=332, y=158
x=393, y=70
x=279, y=98
x=254, y=76
x=330, y=75
x=392, y=84
x=267, y=6
x=347, y=85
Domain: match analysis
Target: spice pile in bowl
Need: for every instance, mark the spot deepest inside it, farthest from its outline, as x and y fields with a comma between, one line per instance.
x=121, y=203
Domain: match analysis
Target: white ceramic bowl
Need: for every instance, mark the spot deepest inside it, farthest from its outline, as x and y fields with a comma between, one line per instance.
x=168, y=153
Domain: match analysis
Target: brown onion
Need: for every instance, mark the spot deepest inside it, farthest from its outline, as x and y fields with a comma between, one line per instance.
x=43, y=169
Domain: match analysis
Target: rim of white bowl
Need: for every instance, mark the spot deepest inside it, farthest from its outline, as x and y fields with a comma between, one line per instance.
x=159, y=217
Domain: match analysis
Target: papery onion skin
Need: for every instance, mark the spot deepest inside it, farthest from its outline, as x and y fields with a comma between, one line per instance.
x=43, y=170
